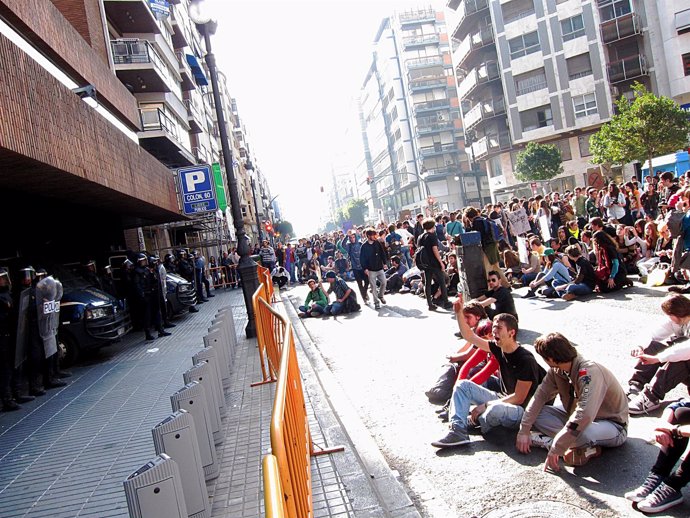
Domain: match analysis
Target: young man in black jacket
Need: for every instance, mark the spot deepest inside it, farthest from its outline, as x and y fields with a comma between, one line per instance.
x=434, y=270
x=372, y=257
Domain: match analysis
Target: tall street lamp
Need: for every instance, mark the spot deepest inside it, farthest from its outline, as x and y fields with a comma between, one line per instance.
x=200, y=14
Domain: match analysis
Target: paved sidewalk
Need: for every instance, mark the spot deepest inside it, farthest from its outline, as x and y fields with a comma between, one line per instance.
x=66, y=454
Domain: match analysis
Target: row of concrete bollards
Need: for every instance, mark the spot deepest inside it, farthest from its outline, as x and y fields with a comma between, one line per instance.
x=173, y=484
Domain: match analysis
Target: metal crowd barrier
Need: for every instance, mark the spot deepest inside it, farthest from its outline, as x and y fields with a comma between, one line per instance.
x=265, y=279
x=273, y=489
x=224, y=276
x=291, y=442
x=269, y=336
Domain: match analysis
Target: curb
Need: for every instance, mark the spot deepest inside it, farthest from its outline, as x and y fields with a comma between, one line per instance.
x=371, y=471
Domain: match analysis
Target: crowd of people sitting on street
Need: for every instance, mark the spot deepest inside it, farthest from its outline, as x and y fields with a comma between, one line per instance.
x=568, y=246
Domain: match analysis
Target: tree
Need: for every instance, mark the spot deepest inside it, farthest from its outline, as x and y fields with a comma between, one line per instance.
x=284, y=228
x=648, y=126
x=538, y=162
x=356, y=210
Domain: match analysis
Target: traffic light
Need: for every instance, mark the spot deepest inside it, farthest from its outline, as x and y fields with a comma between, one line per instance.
x=268, y=226
x=369, y=180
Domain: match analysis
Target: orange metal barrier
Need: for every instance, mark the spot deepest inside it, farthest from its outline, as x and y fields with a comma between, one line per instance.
x=273, y=489
x=265, y=278
x=218, y=276
x=269, y=335
x=291, y=441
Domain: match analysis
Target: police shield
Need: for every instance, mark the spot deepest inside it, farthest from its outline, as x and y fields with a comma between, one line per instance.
x=48, y=295
x=21, y=350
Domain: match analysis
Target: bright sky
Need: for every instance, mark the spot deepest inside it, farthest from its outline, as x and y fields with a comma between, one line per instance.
x=295, y=68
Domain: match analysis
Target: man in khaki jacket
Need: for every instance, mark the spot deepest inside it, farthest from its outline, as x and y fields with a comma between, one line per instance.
x=594, y=412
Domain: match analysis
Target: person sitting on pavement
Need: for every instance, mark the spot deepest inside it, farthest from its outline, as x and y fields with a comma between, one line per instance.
x=394, y=275
x=592, y=411
x=329, y=266
x=497, y=299
x=504, y=405
x=661, y=490
x=554, y=274
x=315, y=303
x=342, y=267
x=345, y=298
x=584, y=282
x=533, y=268
x=610, y=271
x=650, y=380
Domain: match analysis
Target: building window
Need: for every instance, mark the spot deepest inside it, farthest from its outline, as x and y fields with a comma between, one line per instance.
x=686, y=64
x=536, y=118
x=585, y=105
x=495, y=168
x=516, y=10
x=572, y=28
x=530, y=82
x=583, y=142
x=564, y=147
x=579, y=66
x=610, y=9
x=523, y=45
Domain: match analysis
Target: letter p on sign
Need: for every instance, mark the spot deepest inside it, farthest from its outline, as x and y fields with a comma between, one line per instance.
x=194, y=179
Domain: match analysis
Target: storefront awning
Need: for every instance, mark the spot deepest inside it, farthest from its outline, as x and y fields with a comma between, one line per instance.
x=197, y=70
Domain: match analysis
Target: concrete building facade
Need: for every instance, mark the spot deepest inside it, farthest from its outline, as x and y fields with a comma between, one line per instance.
x=550, y=71
x=411, y=124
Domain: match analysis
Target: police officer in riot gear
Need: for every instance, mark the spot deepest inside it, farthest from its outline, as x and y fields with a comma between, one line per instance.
x=90, y=274
x=108, y=281
x=7, y=325
x=146, y=287
x=185, y=268
x=169, y=263
x=159, y=272
x=48, y=292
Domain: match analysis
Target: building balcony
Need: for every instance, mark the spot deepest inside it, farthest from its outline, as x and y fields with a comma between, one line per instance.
x=162, y=137
x=621, y=27
x=435, y=127
x=438, y=104
x=424, y=62
x=131, y=16
x=428, y=84
x=627, y=69
x=483, y=111
x=201, y=154
x=420, y=41
x=440, y=149
x=186, y=73
x=484, y=73
x=194, y=116
x=474, y=41
x=466, y=9
x=139, y=65
x=181, y=36
x=417, y=17
x=517, y=16
x=443, y=171
x=491, y=144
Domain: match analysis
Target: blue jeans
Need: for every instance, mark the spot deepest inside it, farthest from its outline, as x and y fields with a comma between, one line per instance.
x=467, y=393
x=405, y=253
x=579, y=290
x=314, y=311
x=334, y=309
x=528, y=277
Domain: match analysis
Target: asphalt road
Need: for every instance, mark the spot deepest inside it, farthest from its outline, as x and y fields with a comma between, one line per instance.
x=385, y=360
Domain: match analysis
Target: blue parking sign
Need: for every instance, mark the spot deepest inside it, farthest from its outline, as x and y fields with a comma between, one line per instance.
x=196, y=188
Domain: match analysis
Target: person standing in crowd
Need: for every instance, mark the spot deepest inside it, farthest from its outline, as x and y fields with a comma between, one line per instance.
x=268, y=256
x=434, y=272
x=353, y=245
x=373, y=261
x=159, y=272
x=593, y=409
x=7, y=327
x=290, y=262
x=146, y=287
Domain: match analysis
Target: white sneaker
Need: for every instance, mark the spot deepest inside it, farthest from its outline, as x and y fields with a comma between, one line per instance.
x=641, y=404
x=540, y=440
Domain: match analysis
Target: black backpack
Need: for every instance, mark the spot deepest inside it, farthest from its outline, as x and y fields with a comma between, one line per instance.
x=421, y=259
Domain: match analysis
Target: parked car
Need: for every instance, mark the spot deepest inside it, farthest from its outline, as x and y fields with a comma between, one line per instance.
x=181, y=294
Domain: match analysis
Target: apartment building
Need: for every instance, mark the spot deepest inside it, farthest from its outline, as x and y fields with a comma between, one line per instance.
x=549, y=71
x=412, y=131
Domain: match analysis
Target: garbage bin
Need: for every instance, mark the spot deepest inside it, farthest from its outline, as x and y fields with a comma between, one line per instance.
x=471, y=265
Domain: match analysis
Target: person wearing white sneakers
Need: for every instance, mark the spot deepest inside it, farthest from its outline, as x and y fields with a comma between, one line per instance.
x=661, y=488
x=594, y=411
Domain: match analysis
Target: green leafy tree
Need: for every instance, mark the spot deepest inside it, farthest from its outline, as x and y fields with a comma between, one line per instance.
x=356, y=211
x=648, y=126
x=538, y=162
x=284, y=228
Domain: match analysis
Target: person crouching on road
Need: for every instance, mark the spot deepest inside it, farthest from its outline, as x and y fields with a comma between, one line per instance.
x=315, y=303
x=594, y=411
x=345, y=298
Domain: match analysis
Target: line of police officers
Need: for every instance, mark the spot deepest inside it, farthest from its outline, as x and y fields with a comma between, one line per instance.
x=29, y=319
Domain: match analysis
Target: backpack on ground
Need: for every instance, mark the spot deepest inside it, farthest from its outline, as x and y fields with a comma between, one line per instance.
x=442, y=390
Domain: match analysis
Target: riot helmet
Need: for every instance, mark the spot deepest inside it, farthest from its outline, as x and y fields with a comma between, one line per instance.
x=5, y=281
x=168, y=258
x=41, y=273
x=90, y=266
x=127, y=264
x=154, y=260
x=26, y=276
x=108, y=270
x=182, y=253
x=142, y=259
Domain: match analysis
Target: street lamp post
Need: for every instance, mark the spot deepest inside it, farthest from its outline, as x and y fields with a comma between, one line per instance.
x=247, y=267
